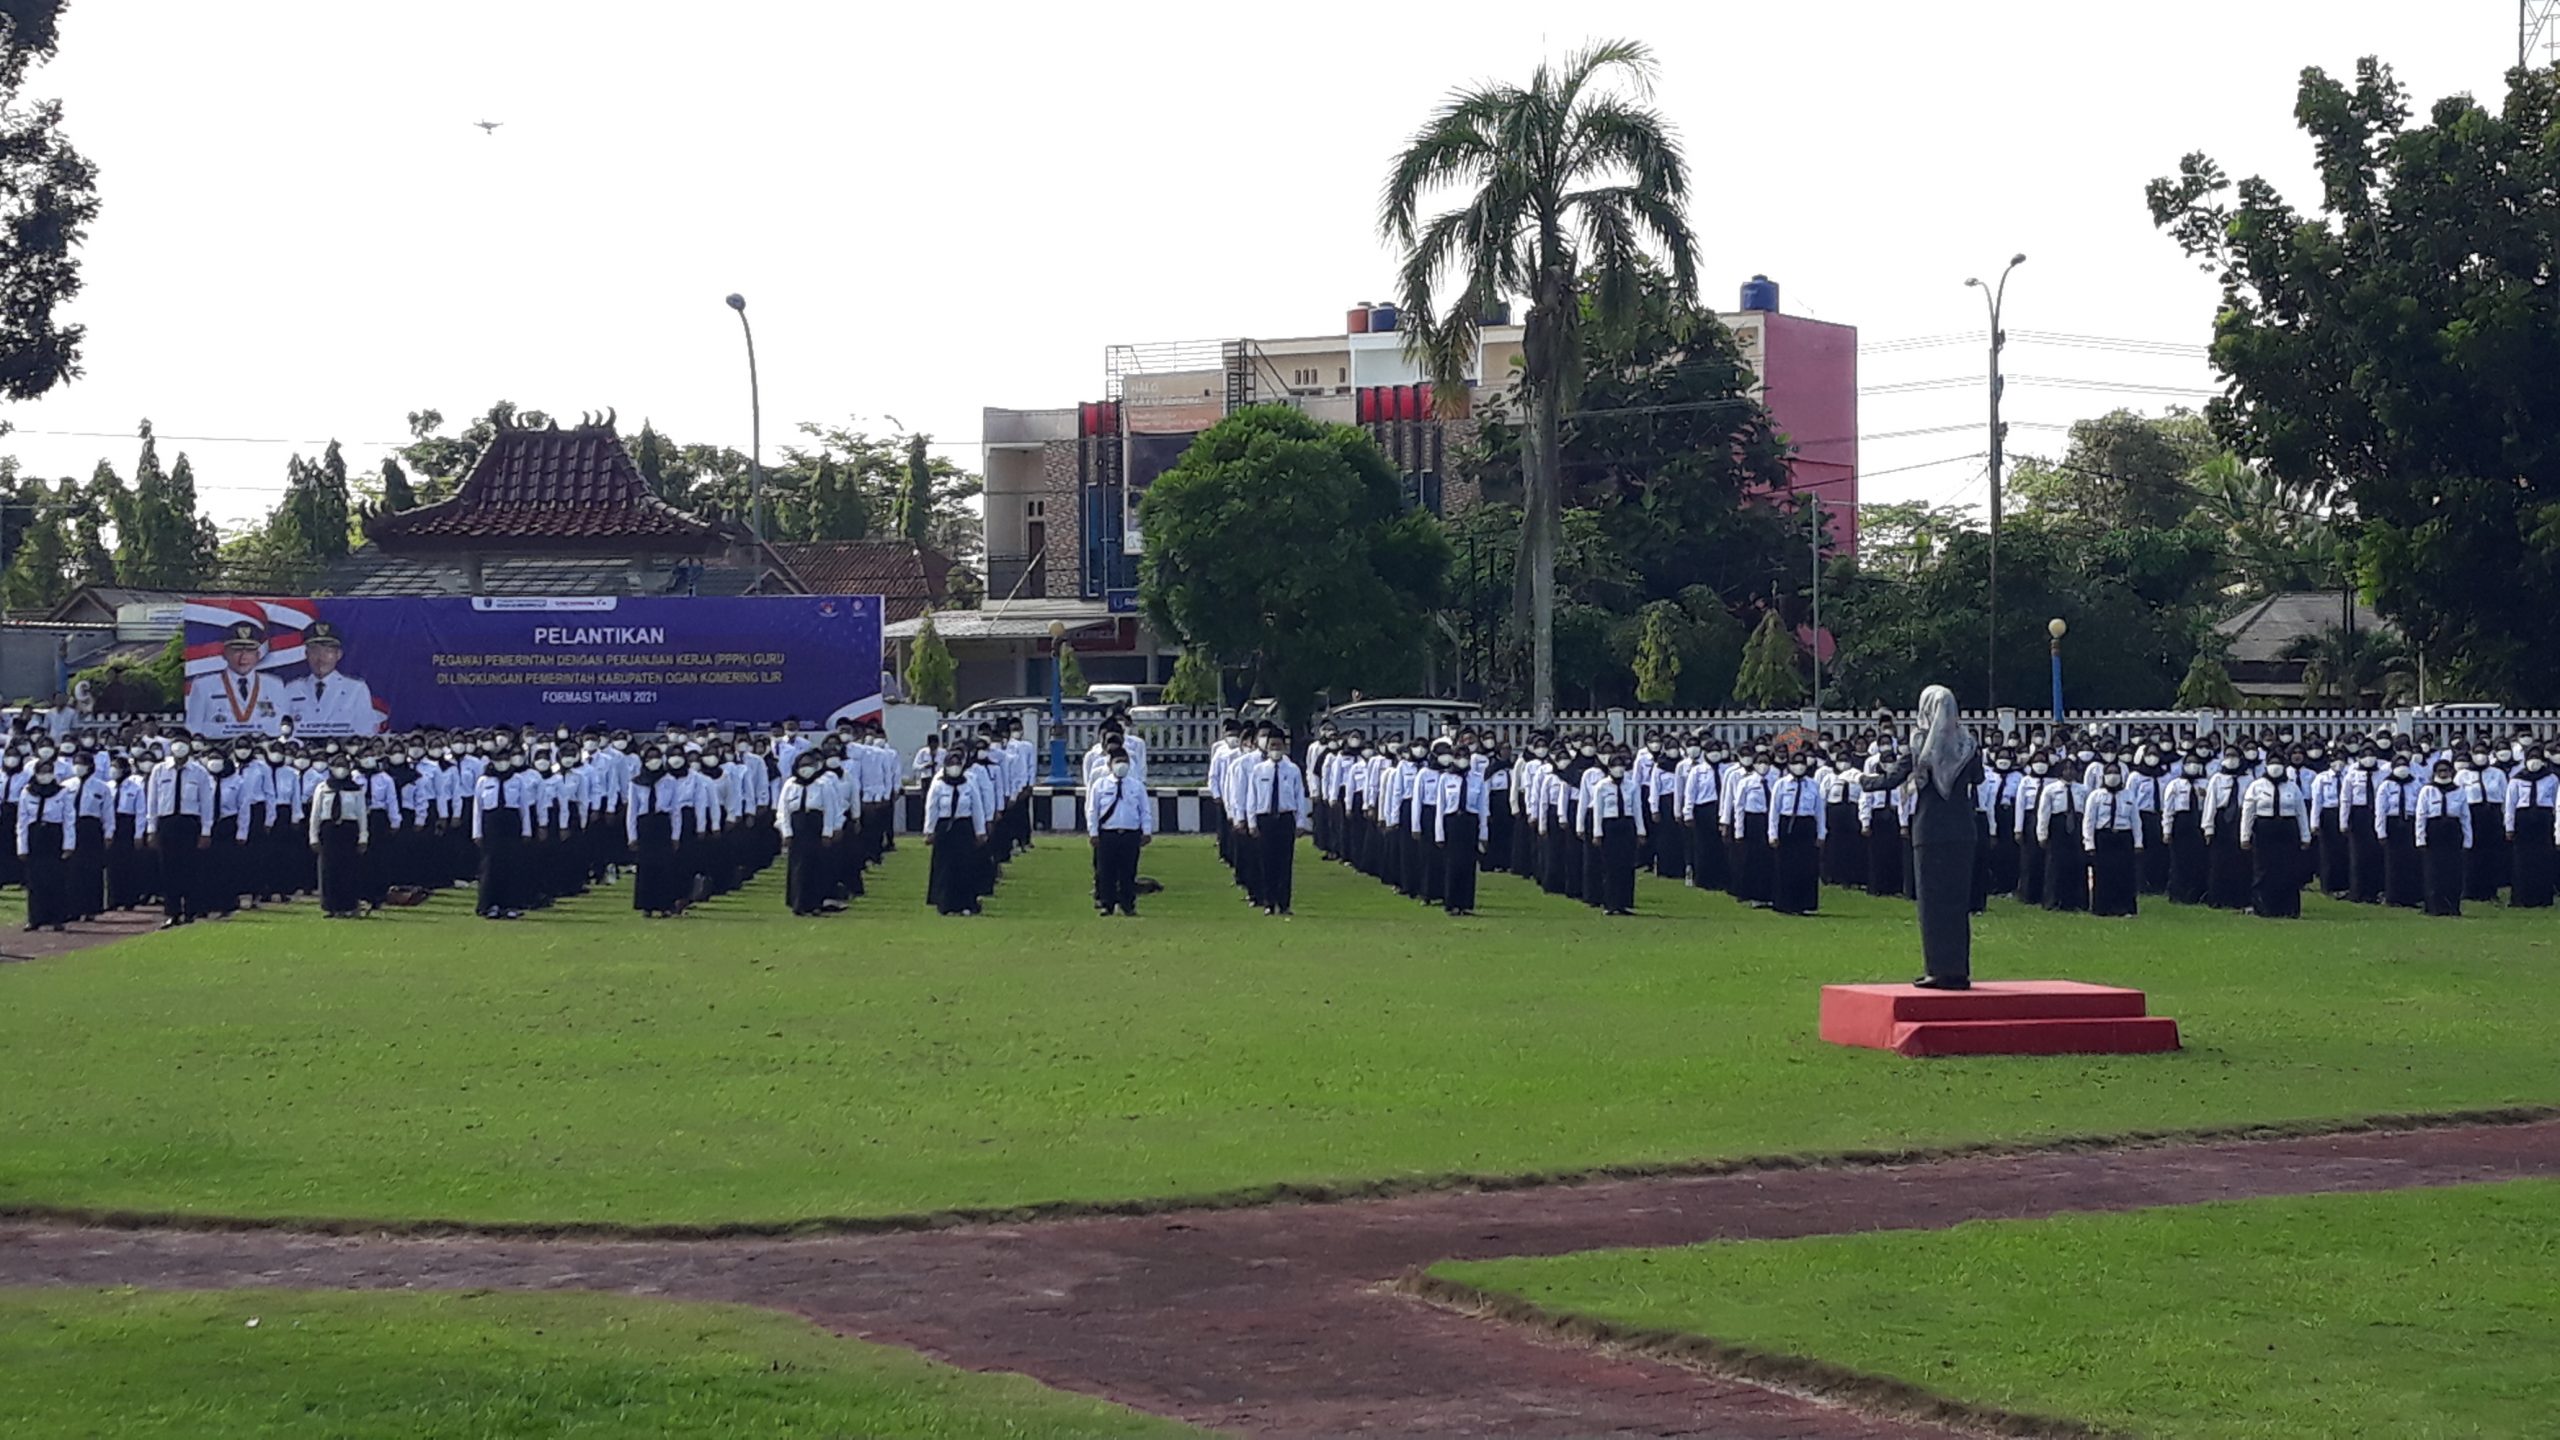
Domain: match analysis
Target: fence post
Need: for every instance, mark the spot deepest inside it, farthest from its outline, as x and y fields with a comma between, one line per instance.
x=1618, y=726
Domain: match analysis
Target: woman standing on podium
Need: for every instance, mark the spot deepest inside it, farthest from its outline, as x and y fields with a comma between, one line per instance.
x=1942, y=771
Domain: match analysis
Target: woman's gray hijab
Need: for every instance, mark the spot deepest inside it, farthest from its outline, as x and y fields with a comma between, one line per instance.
x=1945, y=748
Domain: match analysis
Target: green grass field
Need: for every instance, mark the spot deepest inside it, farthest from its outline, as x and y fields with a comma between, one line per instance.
x=585, y=1065
x=192, y=1366
x=2417, y=1313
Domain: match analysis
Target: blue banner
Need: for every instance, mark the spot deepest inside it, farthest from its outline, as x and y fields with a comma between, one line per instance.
x=336, y=666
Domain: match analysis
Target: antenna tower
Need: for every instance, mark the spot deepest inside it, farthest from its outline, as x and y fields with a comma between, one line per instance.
x=2537, y=28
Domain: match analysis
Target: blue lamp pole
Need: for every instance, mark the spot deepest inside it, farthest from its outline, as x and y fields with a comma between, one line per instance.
x=2057, y=630
x=1058, y=707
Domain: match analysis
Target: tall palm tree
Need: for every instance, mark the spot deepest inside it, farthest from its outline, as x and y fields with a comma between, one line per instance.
x=1563, y=178
x=2349, y=666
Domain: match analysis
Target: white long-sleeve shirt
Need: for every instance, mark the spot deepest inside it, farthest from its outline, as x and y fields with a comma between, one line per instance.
x=329, y=803
x=1115, y=803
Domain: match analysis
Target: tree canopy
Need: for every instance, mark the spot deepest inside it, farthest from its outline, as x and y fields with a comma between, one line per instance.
x=2399, y=351
x=1307, y=618
x=48, y=197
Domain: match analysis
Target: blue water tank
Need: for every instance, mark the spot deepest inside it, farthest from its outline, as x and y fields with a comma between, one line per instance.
x=1760, y=293
x=1382, y=318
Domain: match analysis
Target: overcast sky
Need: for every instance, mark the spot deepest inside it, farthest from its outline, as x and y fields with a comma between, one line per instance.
x=936, y=207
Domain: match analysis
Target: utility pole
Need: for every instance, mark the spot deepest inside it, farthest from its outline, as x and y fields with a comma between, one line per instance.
x=1995, y=296
x=2533, y=19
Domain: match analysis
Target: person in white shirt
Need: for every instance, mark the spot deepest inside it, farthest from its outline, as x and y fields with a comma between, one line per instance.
x=1120, y=819
x=2060, y=801
x=1275, y=795
x=48, y=835
x=808, y=818
x=93, y=808
x=339, y=831
x=955, y=826
x=1613, y=826
x=1798, y=823
x=2111, y=832
x=2533, y=794
x=177, y=822
x=2276, y=825
x=2444, y=839
x=1460, y=813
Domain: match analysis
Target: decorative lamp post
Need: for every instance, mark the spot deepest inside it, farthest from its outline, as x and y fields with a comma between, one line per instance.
x=755, y=424
x=1058, y=706
x=2057, y=630
x=1995, y=297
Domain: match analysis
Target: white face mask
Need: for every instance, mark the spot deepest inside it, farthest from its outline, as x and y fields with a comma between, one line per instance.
x=1120, y=769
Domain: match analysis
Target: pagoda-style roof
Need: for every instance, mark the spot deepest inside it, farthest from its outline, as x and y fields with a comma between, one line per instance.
x=549, y=490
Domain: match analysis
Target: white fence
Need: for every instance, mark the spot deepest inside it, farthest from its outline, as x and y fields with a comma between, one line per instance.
x=2422, y=724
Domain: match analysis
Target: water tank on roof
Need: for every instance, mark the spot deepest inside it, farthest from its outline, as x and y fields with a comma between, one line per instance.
x=1382, y=318
x=1760, y=293
x=1357, y=322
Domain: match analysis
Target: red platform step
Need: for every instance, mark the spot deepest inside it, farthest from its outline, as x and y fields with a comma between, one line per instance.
x=1998, y=1017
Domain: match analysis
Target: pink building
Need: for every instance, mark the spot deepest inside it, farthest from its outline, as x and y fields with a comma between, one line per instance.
x=1809, y=380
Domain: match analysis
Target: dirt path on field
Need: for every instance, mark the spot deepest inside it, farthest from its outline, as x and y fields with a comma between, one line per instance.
x=1273, y=1321
x=17, y=945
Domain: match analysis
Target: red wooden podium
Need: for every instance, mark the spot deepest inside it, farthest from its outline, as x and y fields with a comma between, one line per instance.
x=1999, y=1017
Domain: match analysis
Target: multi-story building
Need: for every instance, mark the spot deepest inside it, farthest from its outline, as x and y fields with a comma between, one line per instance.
x=1062, y=484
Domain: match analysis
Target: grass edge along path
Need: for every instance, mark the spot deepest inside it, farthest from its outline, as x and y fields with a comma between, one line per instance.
x=2284, y=1316
x=232, y=1364
x=1258, y=1197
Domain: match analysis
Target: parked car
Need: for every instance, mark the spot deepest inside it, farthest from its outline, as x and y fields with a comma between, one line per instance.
x=1074, y=709
x=1401, y=716
x=1130, y=695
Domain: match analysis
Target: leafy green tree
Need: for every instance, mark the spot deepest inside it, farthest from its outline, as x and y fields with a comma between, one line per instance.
x=438, y=463
x=1657, y=663
x=1902, y=539
x=1195, y=681
x=1071, y=681
x=161, y=542
x=49, y=194
x=2394, y=351
x=36, y=578
x=1769, y=678
x=836, y=507
x=1348, y=613
x=933, y=677
x=1563, y=177
x=2208, y=686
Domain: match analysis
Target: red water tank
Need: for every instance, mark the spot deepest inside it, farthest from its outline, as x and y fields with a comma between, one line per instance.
x=1357, y=322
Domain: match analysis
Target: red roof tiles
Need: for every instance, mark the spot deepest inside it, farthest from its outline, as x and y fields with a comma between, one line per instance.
x=548, y=489
x=906, y=579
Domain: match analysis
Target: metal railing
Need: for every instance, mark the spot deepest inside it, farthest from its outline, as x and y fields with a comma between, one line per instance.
x=2423, y=723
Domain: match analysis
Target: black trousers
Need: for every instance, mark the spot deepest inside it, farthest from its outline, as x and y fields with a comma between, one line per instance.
x=1276, y=848
x=2403, y=882
x=2275, y=867
x=2187, y=865
x=1796, y=887
x=2066, y=865
x=2114, y=878
x=2445, y=866
x=2484, y=866
x=47, y=874
x=2531, y=857
x=501, y=841
x=1884, y=852
x=87, y=869
x=807, y=880
x=175, y=839
x=1115, y=870
x=341, y=868
x=1617, y=857
x=2364, y=857
x=1458, y=859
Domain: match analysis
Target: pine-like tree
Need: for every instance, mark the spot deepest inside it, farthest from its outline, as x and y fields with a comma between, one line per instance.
x=1071, y=681
x=1195, y=680
x=915, y=506
x=1769, y=680
x=933, y=677
x=836, y=508
x=1658, y=653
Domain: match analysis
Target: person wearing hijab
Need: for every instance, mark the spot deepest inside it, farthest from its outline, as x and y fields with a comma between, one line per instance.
x=955, y=825
x=1797, y=821
x=2533, y=794
x=2276, y=817
x=2444, y=839
x=2111, y=831
x=2182, y=800
x=809, y=820
x=1942, y=770
x=340, y=829
x=2027, y=805
x=2059, y=808
x=1880, y=826
x=2396, y=819
x=2225, y=836
x=48, y=837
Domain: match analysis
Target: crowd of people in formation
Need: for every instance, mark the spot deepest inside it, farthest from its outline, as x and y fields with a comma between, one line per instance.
x=1258, y=802
x=202, y=828
x=977, y=812
x=2099, y=821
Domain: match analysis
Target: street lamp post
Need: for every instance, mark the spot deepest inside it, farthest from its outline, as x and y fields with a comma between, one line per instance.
x=1057, y=706
x=2057, y=630
x=755, y=425
x=1995, y=296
